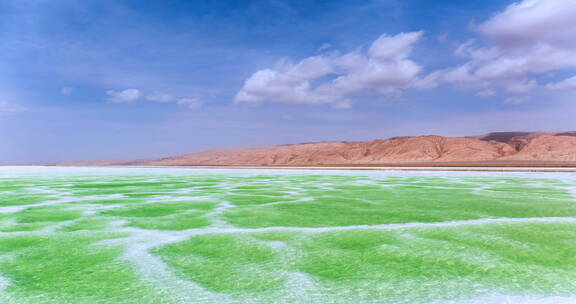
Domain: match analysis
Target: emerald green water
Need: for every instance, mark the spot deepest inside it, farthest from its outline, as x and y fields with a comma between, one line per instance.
x=73, y=235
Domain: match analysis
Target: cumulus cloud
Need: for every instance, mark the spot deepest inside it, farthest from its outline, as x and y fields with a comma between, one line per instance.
x=521, y=43
x=569, y=83
x=66, y=90
x=132, y=95
x=124, y=96
x=525, y=40
x=523, y=23
x=384, y=69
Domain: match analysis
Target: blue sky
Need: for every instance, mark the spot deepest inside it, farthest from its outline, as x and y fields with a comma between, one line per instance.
x=136, y=79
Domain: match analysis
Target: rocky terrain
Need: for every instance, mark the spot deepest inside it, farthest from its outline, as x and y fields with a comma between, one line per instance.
x=499, y=147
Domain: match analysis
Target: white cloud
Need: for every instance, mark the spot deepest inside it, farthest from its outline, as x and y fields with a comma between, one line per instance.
x=160, y=97
x=569, y=83
x=525, y=22
x=523, y=86
x=334, y=79
x=324, y=47
x=66, y=90
x=190, y=102
x=394, y=47
x=9, y=107
x=486, y=93
x=131, y=95
x=526, y=39
x=443, y=38
x=517, y=100
x=125, y=96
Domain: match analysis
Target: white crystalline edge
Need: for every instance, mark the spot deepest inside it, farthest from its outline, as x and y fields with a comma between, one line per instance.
x=198, y=231
x=402, y=226
x=14, y=209
x=4, y=282
x=5, y=298
x=507, y=299
x=31, y=171
x=152, y=269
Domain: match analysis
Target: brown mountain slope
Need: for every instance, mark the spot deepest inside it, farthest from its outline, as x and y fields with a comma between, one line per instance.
x=558, y=148
x=500, y=146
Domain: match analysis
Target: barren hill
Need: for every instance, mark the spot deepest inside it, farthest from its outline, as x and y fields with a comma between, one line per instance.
x=499, y=146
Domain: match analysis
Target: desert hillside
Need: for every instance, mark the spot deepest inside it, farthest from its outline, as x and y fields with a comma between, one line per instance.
x=499, y=147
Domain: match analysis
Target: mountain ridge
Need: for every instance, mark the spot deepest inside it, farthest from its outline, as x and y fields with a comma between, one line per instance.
x=495, y=146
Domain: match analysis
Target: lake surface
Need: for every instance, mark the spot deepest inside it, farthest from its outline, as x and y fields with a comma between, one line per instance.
x=129, y=235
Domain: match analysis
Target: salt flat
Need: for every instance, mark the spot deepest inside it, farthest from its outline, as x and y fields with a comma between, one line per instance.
x=155, y=235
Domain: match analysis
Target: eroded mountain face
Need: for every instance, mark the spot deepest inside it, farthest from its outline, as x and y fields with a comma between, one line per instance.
x=504, y=146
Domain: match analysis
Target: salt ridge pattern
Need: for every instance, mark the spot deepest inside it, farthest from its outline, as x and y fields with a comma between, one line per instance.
x=97, y=235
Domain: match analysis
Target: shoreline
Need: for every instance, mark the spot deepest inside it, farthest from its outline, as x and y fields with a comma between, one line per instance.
x=396, y=167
